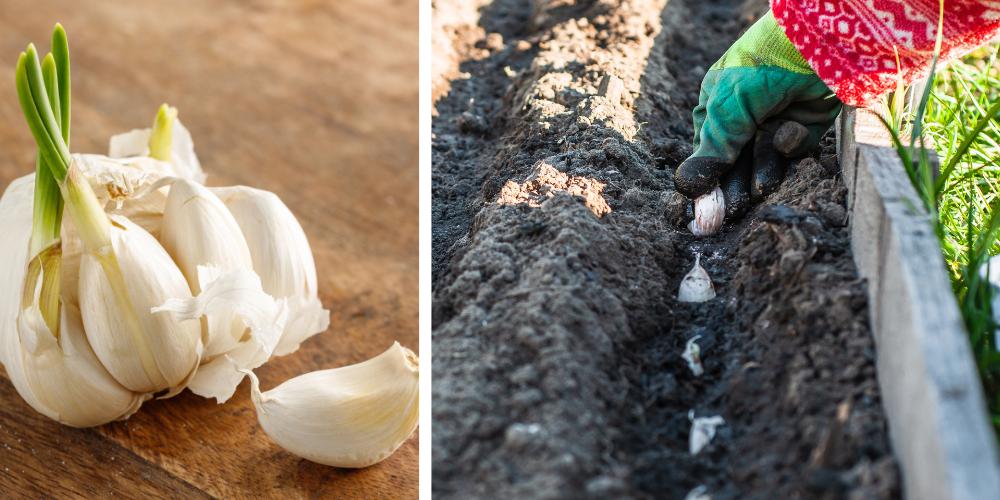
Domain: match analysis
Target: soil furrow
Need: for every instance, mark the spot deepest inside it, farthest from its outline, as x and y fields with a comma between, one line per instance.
x=559, y=244
x=483, y=47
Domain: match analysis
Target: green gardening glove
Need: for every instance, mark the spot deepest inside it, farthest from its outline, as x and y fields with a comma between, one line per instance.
x=761, y=90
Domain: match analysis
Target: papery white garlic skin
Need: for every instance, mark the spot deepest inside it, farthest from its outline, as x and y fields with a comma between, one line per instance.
x=239, y=293
x=354, y=416
x=282, y=257
x=60, y=378
x=166, y=351
x=696, y=285
x=198, y=230
x=709, y=212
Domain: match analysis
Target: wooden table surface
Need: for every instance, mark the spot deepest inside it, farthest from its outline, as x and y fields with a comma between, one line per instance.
x=314, y=100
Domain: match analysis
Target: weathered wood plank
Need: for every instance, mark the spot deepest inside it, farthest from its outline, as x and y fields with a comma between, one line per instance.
x=930, y=389
x=314, y=100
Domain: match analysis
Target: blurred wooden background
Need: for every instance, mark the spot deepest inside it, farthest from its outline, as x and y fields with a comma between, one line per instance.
x=315, y=100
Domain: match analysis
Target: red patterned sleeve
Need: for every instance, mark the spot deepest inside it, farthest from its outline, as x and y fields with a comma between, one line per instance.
x=849, y=43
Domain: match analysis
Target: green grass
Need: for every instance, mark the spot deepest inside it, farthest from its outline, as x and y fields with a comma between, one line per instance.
x=959, y=117
x=962, y=124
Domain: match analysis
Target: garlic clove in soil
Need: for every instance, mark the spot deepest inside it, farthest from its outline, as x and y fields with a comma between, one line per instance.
x=282, y=257
x=164, y=351
x=699, y=492
x=709, y=212
x=198, y=230
x=238, y=292
x=58, y=377
x=702, y=431
x=182, y=156
x=696, y=285
x=692, y=354
x=354, y=416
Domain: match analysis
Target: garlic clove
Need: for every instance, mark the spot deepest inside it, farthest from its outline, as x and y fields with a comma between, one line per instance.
x=692, y=354
x=182, y=155
x=354, y=416
x=165, y=351
x=709, y=212
x=16, y=204
x=696, y=285
x=239, y=292
x=282, y=257
x=702, y=431
x=198, y=230
x=60, y=378
x=699, y=492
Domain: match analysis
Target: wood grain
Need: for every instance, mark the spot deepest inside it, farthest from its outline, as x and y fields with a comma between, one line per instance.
x=314, y=100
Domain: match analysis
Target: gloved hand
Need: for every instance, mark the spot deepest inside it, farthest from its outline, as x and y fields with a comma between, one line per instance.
x=760, y=88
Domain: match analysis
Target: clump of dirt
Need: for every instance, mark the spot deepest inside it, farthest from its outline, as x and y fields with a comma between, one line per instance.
x=558, y=248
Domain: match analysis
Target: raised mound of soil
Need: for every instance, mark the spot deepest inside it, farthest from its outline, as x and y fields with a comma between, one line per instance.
x=559, y=244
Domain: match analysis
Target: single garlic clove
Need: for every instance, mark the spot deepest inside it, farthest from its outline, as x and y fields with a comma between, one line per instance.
x=64, y=378
x=182, y=156
x=692, y=354
x=282, y=257
x=198, y=230
x=699, y=492
x=702, y=431
x=165, y=351
x=696, y=285
x=709, y=212
x=238, y=292
x=354, y=416
x=60, y=378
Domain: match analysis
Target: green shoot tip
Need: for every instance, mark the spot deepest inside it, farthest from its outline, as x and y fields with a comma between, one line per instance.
x=161, y=138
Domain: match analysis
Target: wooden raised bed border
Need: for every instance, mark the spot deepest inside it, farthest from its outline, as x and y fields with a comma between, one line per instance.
x=931, y=392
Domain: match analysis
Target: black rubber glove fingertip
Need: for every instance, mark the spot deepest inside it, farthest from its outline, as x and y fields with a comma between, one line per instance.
x=697, y=176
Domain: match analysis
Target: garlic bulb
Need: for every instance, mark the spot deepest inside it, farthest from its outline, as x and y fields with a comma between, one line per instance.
x=354, y=416
x=58, y=377
x=282, y=257
x=696, y=285
x=709, y=212
x=148, y=284
x=198, y=230
x=165, y=351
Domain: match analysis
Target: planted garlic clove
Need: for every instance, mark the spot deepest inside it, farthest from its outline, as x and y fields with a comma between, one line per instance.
x=696, y=285
x=702, y=431
x=353, y=416
x=164, y=351
x=709, y=212
x=58, y=377
x=282, y=257
x=692, y=354
x=198, y=230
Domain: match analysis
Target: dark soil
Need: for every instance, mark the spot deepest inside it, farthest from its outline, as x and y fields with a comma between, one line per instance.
x=558, y=248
